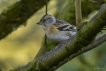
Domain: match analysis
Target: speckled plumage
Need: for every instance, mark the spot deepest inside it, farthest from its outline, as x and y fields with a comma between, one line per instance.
x=55, y=29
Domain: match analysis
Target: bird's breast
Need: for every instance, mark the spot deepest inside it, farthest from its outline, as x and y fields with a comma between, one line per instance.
x=50, y=30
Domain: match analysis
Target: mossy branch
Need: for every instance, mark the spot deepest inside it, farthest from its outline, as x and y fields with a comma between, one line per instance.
x=17, y=15
x=73, y=45
x=94, y=44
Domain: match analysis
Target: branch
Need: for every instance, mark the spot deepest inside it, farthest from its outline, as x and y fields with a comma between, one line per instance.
x=94, y=44
x=64, y=50
x=17, y=15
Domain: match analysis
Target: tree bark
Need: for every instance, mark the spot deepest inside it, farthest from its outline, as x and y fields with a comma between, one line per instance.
x=18, y=14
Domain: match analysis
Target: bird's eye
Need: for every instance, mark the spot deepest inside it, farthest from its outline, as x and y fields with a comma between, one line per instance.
x=44, y=20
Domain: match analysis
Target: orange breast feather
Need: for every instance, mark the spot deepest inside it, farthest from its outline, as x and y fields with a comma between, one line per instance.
x=52, y=30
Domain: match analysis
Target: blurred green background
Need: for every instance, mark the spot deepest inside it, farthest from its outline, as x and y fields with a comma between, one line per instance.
x=21, y=46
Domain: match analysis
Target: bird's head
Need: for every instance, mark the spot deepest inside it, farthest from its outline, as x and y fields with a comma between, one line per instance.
x=47, y=20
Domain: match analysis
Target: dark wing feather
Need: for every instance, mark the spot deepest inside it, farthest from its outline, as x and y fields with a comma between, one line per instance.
x=61, y=28
x=64, y=26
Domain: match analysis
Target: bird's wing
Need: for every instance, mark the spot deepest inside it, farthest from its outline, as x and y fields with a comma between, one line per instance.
x=64, y=26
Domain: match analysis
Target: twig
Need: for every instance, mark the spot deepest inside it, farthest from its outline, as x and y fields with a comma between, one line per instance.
x=46, y=9
x=78, y=13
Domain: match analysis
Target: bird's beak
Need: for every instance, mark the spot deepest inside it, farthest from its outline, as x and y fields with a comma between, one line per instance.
x=39, y=23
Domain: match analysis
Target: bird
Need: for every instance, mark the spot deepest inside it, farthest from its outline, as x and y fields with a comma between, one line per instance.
x=56, y=29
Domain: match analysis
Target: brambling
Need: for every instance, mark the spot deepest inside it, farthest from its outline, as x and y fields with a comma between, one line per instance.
x=55, y=29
